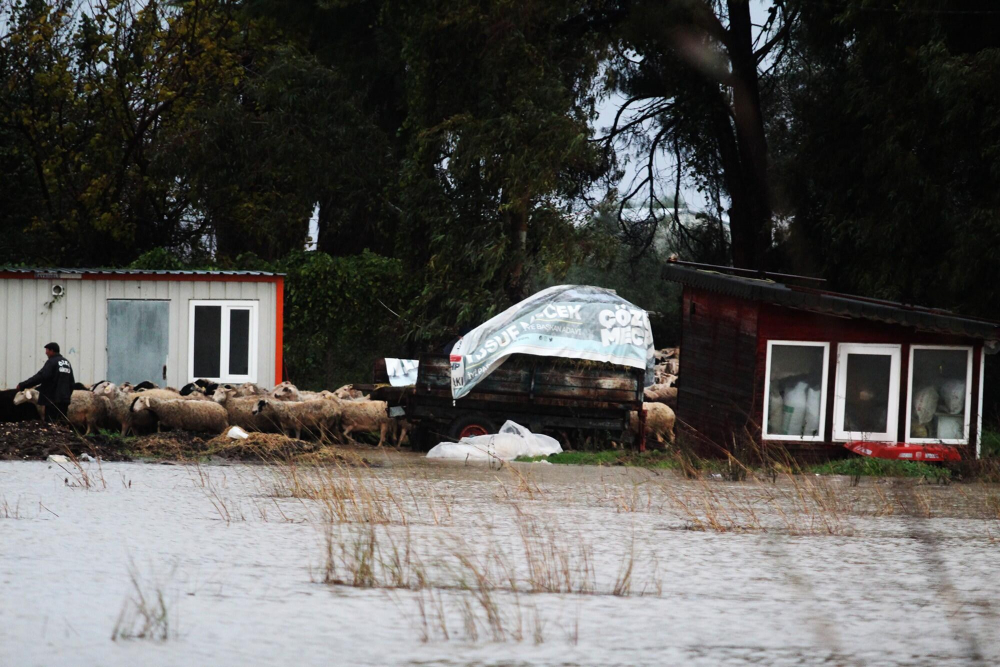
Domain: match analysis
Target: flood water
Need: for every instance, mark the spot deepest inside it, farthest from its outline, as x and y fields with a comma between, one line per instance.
x=465, y=564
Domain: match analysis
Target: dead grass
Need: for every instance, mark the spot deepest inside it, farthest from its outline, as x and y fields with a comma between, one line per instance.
x=145, y=613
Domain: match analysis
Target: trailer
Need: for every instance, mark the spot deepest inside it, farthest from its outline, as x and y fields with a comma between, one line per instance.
x=546, y=394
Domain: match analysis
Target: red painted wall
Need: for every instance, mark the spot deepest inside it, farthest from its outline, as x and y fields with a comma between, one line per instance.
x=781, y=323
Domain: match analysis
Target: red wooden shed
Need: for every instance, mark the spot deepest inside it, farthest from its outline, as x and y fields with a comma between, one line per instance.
x=810, y=369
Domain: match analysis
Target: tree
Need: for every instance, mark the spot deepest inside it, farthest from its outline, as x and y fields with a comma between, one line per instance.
x=892, y=154
x=699, y=81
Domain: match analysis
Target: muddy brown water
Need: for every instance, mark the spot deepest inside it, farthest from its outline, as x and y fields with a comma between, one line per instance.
x=467, y=564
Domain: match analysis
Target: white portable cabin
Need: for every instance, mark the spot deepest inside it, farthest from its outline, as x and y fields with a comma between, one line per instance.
x=169, y=327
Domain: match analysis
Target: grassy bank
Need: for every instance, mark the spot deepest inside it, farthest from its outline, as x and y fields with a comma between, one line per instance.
x=853, y=467
x=609, y=457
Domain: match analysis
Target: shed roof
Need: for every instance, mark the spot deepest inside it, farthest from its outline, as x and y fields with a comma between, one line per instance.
x=48, y=271
x=833, y=303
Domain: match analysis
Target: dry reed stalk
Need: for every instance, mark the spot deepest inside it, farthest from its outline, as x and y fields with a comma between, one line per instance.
x=145, y=614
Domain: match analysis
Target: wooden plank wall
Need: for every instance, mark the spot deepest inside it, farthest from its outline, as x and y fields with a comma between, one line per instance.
x=718, y=367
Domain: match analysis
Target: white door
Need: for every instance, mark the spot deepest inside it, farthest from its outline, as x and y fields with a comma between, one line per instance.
x=866, y=398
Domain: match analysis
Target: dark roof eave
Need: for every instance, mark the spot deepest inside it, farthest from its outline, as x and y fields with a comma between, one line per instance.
x=830, y=303
x=136, y=272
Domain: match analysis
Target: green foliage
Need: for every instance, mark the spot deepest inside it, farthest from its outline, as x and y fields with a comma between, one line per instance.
x=990, y=444
x=609, y=457
x=339, y=316
x=874, y=467
x=894, y=152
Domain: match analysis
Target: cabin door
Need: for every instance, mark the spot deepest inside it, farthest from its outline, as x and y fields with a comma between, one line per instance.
x=138, y=340
x=866, y=398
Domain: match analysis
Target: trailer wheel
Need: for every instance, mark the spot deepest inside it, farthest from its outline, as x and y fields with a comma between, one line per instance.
x=470, y=426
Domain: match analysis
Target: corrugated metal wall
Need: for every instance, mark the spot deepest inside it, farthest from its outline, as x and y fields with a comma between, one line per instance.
x=78, y=321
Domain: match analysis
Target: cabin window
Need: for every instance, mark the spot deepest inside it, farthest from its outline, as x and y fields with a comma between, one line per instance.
x=940, y=394
x=223, y=341
x=866, y=398
x=795, y=391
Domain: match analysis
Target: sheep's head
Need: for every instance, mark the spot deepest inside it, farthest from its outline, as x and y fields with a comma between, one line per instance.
x=286, y=391
x=260, y=406
x=141, y=403
x=26, y=396
x=222, y=394
x=191, y=388
x=109, y=389
x=248, y=389
x=127, y=387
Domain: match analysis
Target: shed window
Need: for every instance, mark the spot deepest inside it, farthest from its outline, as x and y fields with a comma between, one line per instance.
x=940, y=394
x=795, y=405
x=223, y=341
x=866, y=400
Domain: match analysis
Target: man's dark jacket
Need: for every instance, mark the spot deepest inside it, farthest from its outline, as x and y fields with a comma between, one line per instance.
x=55, y=381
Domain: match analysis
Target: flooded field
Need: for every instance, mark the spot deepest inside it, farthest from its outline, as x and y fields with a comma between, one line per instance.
x=417, y=562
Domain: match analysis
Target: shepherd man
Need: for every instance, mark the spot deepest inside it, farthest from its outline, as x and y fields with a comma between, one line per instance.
x=55, y=384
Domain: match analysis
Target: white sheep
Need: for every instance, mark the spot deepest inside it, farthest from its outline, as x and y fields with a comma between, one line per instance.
x=661, y=393
x=240, y=410
x=120, y=408
x=286, y=391
x=86, y=409
x=184, y=415
x=659, y=422
x=348, y=393
x=368, y=417
x=250, y=389
x=319, y=416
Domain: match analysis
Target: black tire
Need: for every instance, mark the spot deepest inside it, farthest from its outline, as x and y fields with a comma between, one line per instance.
x=471, y=425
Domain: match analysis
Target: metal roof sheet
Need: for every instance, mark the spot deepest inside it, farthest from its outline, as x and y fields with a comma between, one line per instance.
x=833, y=303
x=137, y=272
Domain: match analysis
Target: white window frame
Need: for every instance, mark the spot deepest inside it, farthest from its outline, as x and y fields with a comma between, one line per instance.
x=979, y=415
x=894, y=352
x=821, y=434
x=968, y=397
x=227, y=306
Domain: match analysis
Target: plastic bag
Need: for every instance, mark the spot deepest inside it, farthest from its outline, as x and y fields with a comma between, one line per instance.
x=512, y=441
x=776, y=413
x=953, y=396
x=795, y=409
x=812, y=412
x=925, y=404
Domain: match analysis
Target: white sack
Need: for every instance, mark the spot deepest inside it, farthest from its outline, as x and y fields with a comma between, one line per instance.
x=795, y=409
x=953, y=396
x=925, y=404
x=812, y=412
x=512, y=441
x=775, y=413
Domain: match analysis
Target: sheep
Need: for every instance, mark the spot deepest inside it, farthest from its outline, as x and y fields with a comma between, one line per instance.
x=368, y=417
x=319, y=416
x=120, y=409
x=184, y=415
x=86, y=409
x=250, y=389
x=347, y=393
x=661, y=393
x=146, y=384
x=240, y=410
x=167, y=394
x=659, y=422
x=286, y=391
x=30, y=396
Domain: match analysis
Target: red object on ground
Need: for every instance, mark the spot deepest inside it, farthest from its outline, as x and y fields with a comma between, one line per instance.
x=472, y=430
x=904, y=452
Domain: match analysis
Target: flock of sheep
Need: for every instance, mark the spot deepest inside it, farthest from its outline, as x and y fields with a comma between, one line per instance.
x=205, y=406
x=661, y=398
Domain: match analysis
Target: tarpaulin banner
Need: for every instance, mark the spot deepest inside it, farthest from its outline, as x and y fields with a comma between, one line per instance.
x=573, y=321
